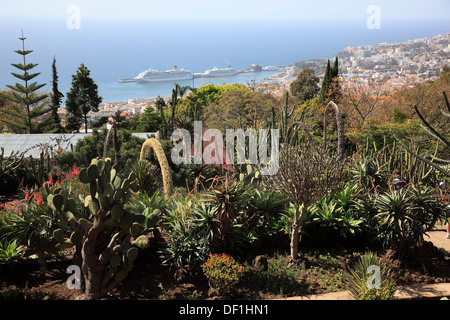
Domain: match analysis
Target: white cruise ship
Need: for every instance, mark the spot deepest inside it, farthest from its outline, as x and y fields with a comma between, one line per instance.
x=152, y=75
x=216, y=72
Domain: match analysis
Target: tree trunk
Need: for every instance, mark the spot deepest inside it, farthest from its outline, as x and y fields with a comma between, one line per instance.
x=294, y=235
x=85, y=123
x=40, y=254
x=298, y=220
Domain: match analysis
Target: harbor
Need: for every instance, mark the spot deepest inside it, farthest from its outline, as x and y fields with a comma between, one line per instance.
x=175, y=74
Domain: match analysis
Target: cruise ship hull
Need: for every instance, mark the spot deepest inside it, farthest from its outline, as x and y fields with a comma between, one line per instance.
x=164, y=79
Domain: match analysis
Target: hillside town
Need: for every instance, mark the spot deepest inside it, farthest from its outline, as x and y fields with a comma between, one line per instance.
x=400, y=64
x=405, y=63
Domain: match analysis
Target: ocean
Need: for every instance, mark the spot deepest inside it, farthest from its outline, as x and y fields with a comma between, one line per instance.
x=122, y=49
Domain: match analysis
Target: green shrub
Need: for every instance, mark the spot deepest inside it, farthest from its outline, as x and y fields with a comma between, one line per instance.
x=223, y=273
x=335, y=217
x=381, y=133
x=91, y=147
x=279, y=278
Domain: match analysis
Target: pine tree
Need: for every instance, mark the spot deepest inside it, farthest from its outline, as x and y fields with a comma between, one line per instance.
x=25, y=98
x=81, y=99
x=56, y=99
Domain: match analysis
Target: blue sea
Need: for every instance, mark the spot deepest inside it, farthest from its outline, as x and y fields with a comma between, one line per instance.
x=122, y=49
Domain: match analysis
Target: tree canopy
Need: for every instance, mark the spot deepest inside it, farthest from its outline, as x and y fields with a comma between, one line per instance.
x=82, y=98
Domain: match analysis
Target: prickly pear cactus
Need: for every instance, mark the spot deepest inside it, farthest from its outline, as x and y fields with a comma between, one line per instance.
x=110, y=238
x=247, y=174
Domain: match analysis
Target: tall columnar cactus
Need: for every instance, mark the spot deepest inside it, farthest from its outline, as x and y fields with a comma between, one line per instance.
x=285, y=116
x=109, y=238
x=154, y=144
x=305, y=130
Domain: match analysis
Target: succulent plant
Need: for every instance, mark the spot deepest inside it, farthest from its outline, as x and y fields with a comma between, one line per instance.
x=247, y=174
x=109, y=220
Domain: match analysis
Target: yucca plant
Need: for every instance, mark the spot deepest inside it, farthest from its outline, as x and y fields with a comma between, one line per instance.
x=370, y=279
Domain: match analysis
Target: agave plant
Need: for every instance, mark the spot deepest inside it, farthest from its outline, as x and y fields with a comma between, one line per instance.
x=370, y=279
x=265, y=208
x=143, y=200
x=336, y=213
x=10, y=251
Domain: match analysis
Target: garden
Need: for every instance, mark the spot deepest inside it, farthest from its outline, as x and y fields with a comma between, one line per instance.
x=121, y=220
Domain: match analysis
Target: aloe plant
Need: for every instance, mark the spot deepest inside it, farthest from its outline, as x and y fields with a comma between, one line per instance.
x=31, y=228
x=406, y=216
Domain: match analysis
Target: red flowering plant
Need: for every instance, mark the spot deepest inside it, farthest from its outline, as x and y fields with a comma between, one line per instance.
x=34, y=223
x=223, y=273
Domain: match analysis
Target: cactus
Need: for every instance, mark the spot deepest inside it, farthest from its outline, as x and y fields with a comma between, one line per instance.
x=39, y=168
x=285, y=116
x=247, y=174
x=104, y=264
x=304, y=128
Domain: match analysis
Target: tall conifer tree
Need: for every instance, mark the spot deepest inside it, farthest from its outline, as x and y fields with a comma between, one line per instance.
x=56, y=99
x=25, y=97
x=325, y=84
x=82, y=98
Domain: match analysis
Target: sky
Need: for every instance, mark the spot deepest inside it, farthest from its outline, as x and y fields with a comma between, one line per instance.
x=226, y=10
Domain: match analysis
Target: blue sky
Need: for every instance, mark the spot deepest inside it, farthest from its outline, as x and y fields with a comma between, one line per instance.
x=227, y=10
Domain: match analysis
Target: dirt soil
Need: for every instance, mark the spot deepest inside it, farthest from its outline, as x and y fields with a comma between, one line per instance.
x=151, y=281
